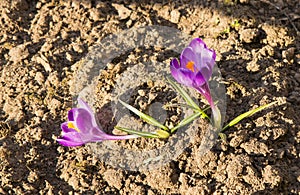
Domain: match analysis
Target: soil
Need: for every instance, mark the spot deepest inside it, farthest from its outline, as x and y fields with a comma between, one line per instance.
x=257, y=46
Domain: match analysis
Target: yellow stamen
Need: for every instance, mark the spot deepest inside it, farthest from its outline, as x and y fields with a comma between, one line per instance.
x=72, y=126
x=190, y=66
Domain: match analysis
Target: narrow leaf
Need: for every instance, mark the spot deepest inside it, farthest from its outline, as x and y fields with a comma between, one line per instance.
x=186, y=121
x=187, y=98
x=247, y=114
x=162, y=133
x=145, y=117
x=139, y=133
x=223, y=136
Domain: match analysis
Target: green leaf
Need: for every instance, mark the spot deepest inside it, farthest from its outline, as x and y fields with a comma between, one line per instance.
x=223, y=136
x=187, y=98
x=247, y=114
x=162, y=133
x=145, y=117
x=186, y=121
x=139, y=133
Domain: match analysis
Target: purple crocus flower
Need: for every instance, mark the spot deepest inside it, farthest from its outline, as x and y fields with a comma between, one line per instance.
x=195, y=69
x=82, y=128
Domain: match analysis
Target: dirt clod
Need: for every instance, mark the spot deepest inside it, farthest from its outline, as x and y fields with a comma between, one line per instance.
x=249, y=35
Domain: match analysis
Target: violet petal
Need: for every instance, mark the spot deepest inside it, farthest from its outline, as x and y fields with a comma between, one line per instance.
x=71, y=114
x=206, y=73
x=199, y=79
x=83, y=121
x=183, y=76
x=174, y=63
x=84, y=105
x=68, y=143
x=198, y=45
x=72, y=139
x=187, y=56
x=207, y=59
x=66, y=129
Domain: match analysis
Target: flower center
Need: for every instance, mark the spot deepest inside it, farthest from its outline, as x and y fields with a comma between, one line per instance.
x=72, y=126
x=190, y=66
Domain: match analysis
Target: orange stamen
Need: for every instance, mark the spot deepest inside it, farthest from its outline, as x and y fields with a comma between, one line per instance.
x=190, y=66
x=72, y=126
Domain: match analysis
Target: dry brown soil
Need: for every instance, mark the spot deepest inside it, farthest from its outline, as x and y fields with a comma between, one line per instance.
x=257, y=47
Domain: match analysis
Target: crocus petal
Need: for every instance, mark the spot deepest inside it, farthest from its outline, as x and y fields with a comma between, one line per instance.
x=83, y=120
x=66, y=129
x=205, y=57
x=198, y=45
x=204, y=90
x=183, y=76
x=206, y=73
x=187, y=56
x=174, y=63
x=84, y=105
x=199, y=79
x=68, y=143
x=211, y=62
x=71, y=114
x=71, y=139
x=174, y=67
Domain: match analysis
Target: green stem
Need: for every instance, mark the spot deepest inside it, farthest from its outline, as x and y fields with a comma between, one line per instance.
x=135, y=132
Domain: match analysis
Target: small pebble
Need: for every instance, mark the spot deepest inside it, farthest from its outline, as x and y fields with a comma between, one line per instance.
x=39, y=77
x=17, y=54
x=78, y=48
x=175, y=16
x=95, y=14
x=141, y=92
x=244, y=1
x=46, y=47
x=253, y=66
x=69, y=57
x=289, y=53
x=44, y=62
x=249, y=35
x=39, y=113
x=123, y=12
x=64, y=35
